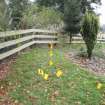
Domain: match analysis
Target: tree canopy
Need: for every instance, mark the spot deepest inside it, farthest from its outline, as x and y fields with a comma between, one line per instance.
x=3, y=18
x=59, y=4
x=41, y=17
x=16, y=13
x=72, y=17
x=16, y=8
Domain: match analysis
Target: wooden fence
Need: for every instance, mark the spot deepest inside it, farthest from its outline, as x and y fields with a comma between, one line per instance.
x=80, y=40
x=77, y=40
x=12, y=42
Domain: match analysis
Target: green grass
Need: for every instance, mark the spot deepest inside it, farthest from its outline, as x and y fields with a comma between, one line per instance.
x=99, y=50
x=75, y=87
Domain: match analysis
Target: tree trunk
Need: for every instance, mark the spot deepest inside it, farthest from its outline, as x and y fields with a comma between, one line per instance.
x=89, y=54
x=70, y=40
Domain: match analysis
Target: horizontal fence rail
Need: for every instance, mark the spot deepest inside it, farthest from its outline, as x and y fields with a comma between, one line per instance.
x=14, y=33
x=12, y=42
x=80, y=40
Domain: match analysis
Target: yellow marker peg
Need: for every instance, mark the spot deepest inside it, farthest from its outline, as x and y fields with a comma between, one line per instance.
x=51, y=53
x=46, y=76
x=59, y=73
x=40, y=72
x=99, y=85
x=50, y=63
x=50, y=46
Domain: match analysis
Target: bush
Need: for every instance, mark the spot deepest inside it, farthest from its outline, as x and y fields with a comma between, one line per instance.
x=89, y=31
x=41, y=17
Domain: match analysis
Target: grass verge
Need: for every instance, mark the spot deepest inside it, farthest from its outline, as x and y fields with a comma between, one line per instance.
x=75, y=87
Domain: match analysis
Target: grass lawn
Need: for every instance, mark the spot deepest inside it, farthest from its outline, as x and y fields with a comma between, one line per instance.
x=76, y=86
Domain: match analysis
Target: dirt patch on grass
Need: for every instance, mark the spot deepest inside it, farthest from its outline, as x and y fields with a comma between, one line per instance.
x=95, y=65
x=5, y=66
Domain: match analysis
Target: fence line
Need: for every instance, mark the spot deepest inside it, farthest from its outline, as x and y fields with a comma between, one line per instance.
x=19, y=32
x=80, y=40
x=15, y=41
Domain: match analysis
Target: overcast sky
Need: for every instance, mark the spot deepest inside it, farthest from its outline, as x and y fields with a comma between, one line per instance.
x=100, y=10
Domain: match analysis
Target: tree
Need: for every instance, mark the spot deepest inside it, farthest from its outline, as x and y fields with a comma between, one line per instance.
x=89, y=31
x=59, y=4
x=3, y=15
x=72, y=17
x=73, y=10
x=16, y=8
x=56, y=4
x=86, y=4
x=41, y=18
